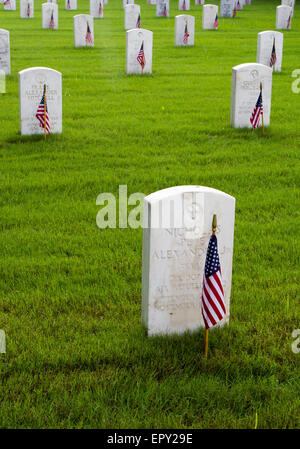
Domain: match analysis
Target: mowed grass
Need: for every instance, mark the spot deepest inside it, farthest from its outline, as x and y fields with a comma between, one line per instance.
x=70, y=293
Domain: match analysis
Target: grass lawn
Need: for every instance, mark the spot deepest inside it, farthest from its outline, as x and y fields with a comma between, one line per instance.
x=70, y=293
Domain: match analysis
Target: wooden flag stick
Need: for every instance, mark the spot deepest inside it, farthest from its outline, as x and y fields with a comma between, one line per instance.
x=262, y=115
x=45, y=108
x=143, y=58
x=214, y=229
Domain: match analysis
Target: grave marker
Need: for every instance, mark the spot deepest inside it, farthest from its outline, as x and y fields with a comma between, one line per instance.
x=184, y=30
x=4, y=52
x=177, y=230
x=139, y=44
x=267, y=42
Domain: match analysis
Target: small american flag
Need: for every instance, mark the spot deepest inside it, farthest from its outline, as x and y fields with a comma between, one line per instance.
x=165, y=11
x=186, y=35
x=100, y=9
x=273, y=58
x=141, y=56
x=234, y=11
x=88, y=36
x=28, y=10
x=68, y=4
x=51, y=24
x=138, y=22
x=6, y=3
x=40, y=115
x=213, y=305
x=183, y=6
x=289, y=22
x=257, y=112
x=238, y=5
x=216, y=22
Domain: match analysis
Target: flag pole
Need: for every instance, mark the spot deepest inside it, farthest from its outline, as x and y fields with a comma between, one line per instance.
x=45, y=108
x=214, y=229
x=143, y=58
x=262, y=115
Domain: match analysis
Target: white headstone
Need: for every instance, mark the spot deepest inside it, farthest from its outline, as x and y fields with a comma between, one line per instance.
x=245, y=89
x=96, y=8
x=71, y=5
x=2, y=342
x=247, y=2
x=9, y=5
x=199, y=2
x=105, y=2
x=184, y=30
x=51, y=1
x=4, y=52
x=290, y=3
x=83, y=30
x=132, y=17
x=283, y=17
x=127, y=2
x=226, y=8
x=183, y=5
x=209, y=16
x=26, y=9
x=50, y=15
x=31, y=87
x=151, y=2
x=162, y=8
x=177, y=230
x=138, y=40
x=265, y=43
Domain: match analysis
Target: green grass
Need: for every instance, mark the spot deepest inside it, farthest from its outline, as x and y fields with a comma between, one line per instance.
x=70, y=293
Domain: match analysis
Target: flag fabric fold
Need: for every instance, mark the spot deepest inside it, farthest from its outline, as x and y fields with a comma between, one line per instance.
x=213, y=304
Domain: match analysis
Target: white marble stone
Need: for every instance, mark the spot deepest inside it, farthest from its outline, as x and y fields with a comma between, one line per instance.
x=134, y=39
x=31, y=87
x=26, y=9
x=184, y=30
x=209, y=14
x=151, y=2
x=226, y=8
x=162, y=8
x=83, y=23
x=71, y=5
x=290, y=3
x=265, y=42
x=96, y=9
x=283, y=14
x=245, y=88
x=4, y=52
x=177, y=229
x=51, y=1
x=49, y=10
x=131, y=15
x=247, y=2
x=199, y=2
x=184, y=5
x=127, y=2
x=9, y=5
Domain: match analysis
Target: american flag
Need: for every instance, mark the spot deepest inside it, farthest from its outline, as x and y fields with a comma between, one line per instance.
x=40, y=115
x=68, y=4
x=28, y=10
x=213, y=306
x=88, y=37
x=216, y=22
x=186, y=35
x=289, y=22
x=51, y=24
x=141, y=56
x=234, y=11
x=165, y=10
x=6, y=3
x=238, y=5
x=100, y=9
x=183, y=5
x=273, y=58
x=138, y=22
x=257, y=112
